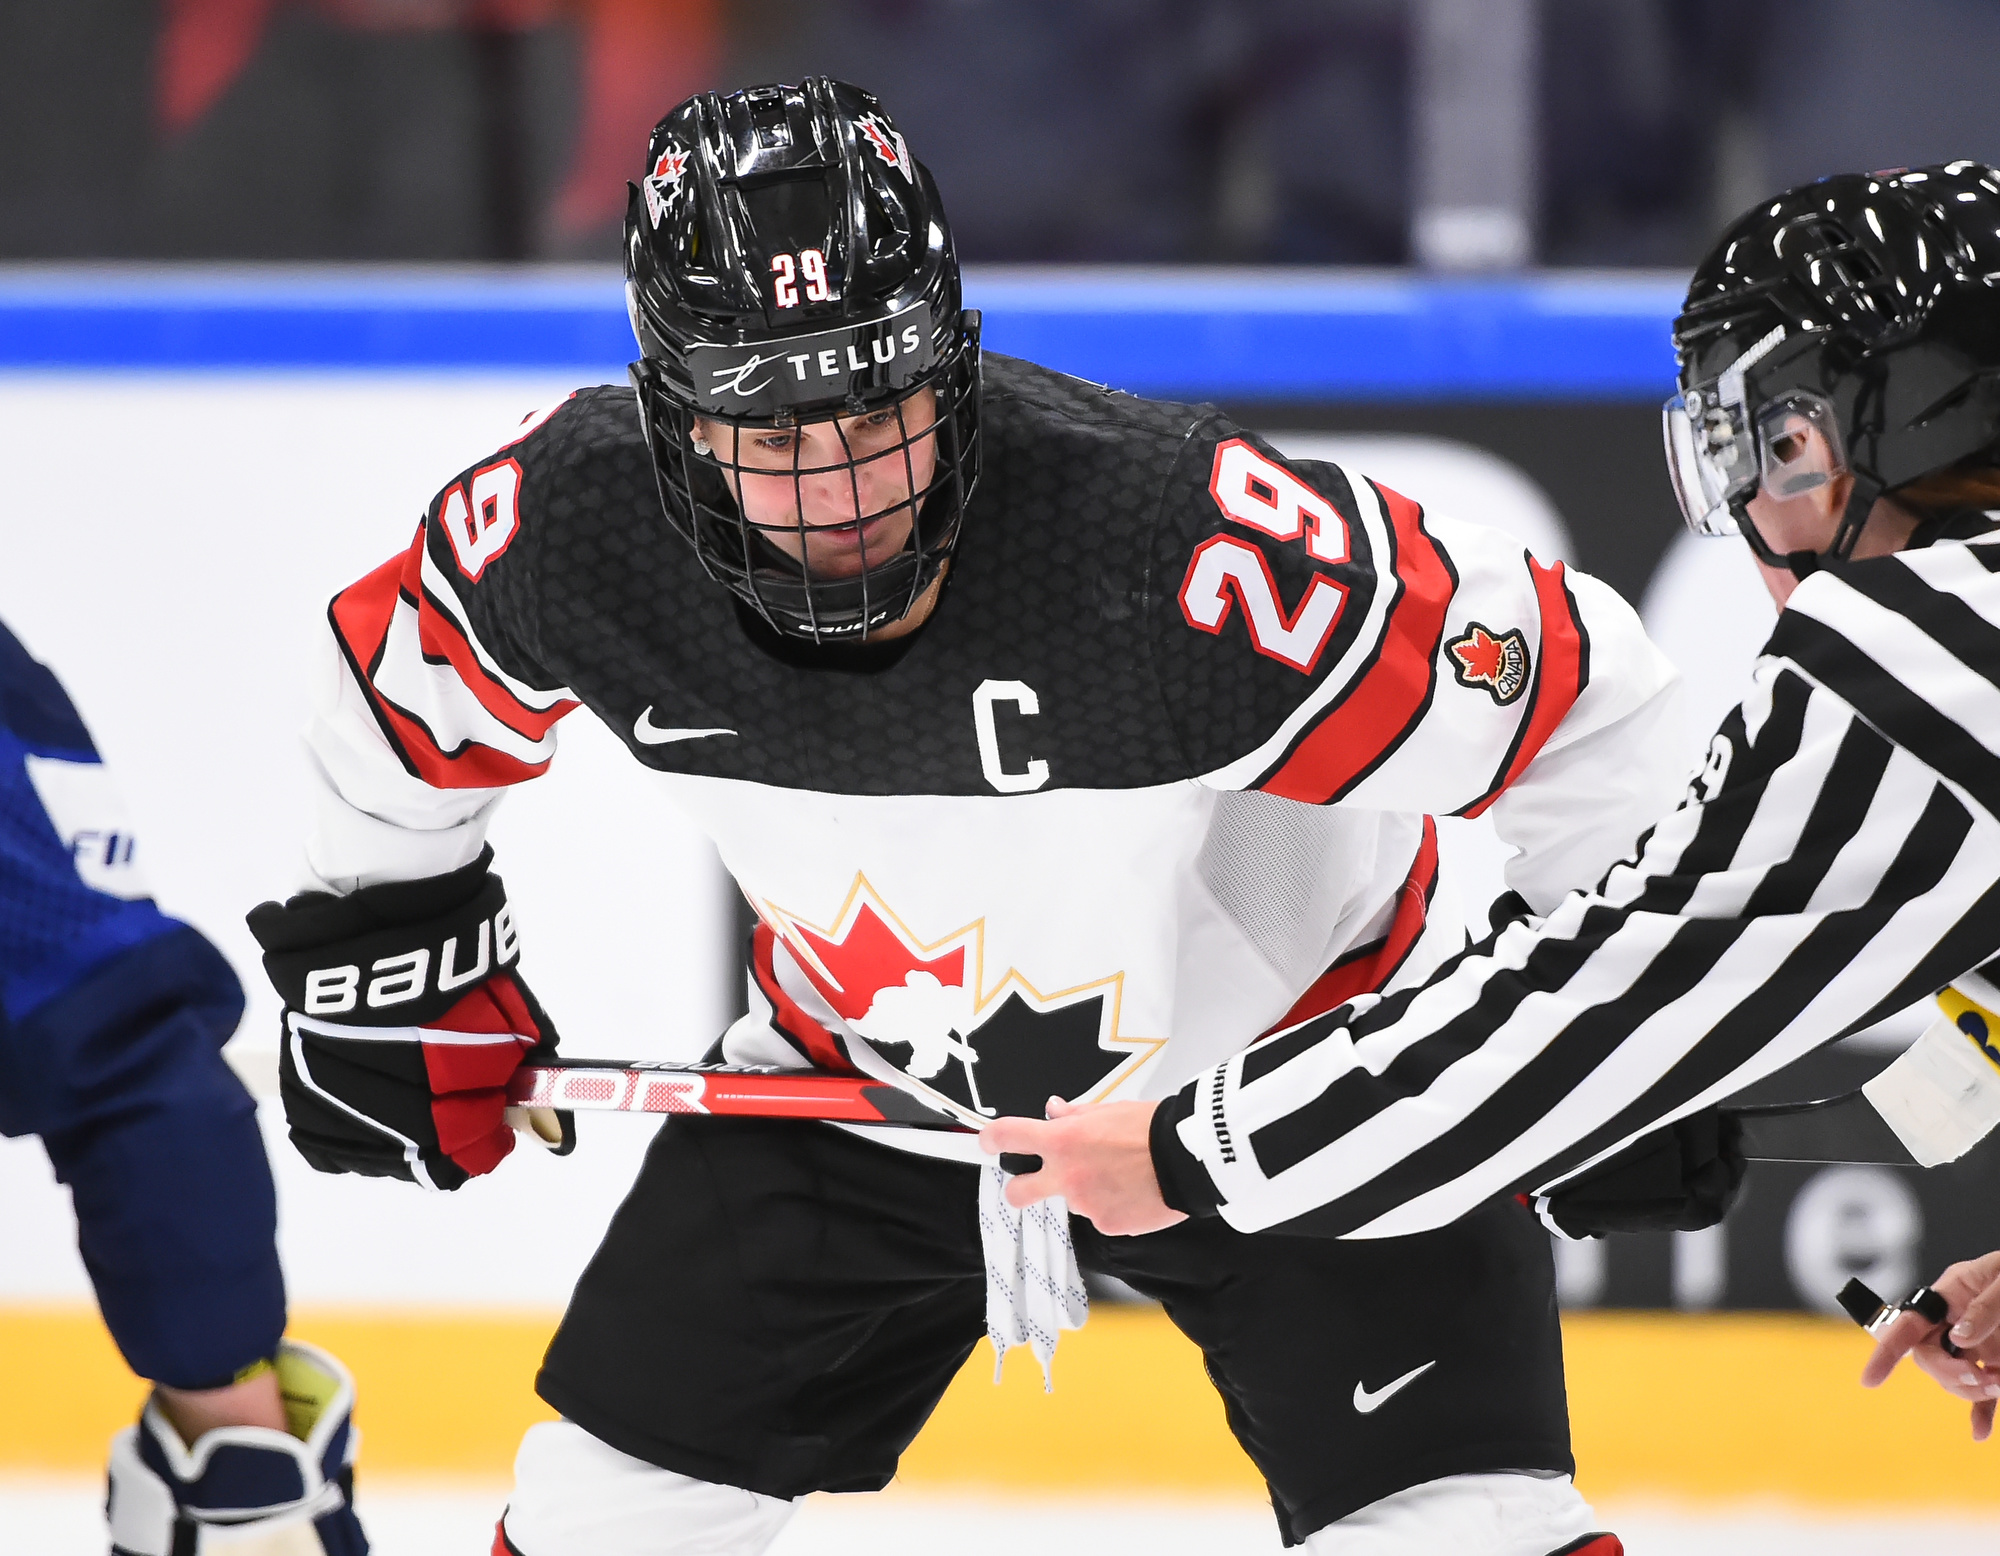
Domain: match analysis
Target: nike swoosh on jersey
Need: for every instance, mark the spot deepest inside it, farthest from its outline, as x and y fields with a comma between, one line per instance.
x=647, y=733
x=1366, y=1403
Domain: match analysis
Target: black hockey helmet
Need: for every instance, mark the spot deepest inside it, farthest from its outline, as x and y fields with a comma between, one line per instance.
x=1866, y=305
x=788, y=262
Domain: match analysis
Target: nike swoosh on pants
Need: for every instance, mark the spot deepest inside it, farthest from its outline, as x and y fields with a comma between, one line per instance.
x=1366, y=1403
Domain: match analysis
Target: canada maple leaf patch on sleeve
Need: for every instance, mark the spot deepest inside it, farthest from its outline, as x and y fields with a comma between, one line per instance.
x=1494, y=661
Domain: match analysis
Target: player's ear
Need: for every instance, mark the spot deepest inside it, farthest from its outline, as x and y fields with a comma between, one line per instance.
x=1798, y=461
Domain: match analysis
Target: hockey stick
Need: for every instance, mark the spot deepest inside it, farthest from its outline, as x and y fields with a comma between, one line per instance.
x=1931, y=1104
x=1842, y=1129
x=1845, y=1128
x=732, y=1090
x=728, y=1090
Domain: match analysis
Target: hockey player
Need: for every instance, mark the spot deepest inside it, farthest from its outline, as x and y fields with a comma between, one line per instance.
x=112, y=1021
x=1062, y=741
x=1836, y=858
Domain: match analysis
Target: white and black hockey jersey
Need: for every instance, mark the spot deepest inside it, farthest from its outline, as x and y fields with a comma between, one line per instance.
x=1837, y=858
x=1152, y=781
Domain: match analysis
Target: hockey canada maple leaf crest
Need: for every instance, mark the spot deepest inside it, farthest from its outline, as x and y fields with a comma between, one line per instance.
x=995, y=1049
x=669, y=168
x=888, y=143
x=1496, y=661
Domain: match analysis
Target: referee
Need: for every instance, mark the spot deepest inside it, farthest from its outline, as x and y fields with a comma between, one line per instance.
x=1837, y=854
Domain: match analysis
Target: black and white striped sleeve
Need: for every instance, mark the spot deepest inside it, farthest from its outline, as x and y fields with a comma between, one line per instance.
x=1836, y=858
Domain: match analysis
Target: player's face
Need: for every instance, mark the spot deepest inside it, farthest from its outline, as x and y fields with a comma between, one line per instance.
x=836, y=495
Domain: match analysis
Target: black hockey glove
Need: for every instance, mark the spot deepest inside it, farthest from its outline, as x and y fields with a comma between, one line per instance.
x=405, y=1014
x=1678, y=1179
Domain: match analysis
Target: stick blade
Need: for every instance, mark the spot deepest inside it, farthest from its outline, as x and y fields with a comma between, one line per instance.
x=1844, y=1130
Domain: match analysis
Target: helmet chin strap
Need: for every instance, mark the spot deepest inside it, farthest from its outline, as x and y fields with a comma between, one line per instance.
x=1803, y=564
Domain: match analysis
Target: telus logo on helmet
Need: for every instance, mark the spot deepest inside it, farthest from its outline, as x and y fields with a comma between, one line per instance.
x=758, y=380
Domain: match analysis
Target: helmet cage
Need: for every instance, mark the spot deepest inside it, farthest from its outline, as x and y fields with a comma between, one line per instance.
x=699, y=483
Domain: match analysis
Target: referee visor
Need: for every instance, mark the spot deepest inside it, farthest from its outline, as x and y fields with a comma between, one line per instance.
x=1720, y=451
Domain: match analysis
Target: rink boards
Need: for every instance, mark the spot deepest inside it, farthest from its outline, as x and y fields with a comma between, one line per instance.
x=1718, y=1408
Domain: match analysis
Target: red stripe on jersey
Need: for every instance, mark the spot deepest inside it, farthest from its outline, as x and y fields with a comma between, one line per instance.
x=820, y=1045
x=441, y=637
x=1594, y=1545
x=1362, y=972
x=362, y=610
x=361, y=614
x=1385, y=702
x=1559, y=681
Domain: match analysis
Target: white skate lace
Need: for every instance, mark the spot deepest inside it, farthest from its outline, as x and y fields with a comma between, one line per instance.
x=1034, y=1290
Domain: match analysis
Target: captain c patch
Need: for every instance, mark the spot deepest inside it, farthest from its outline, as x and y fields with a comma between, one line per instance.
x=1495, y=661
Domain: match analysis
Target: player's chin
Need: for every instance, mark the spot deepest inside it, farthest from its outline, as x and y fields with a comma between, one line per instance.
x=849, y=551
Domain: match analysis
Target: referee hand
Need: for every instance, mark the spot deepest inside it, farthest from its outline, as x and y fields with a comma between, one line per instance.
x=1972, y=1290
x=1095, y=1156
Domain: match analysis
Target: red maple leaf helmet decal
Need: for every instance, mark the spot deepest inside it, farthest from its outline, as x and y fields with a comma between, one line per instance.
x=1496, y=662
x=669, y=168
x=888, y=143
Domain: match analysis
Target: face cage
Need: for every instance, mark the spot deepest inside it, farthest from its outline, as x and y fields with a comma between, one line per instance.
x=786, y=595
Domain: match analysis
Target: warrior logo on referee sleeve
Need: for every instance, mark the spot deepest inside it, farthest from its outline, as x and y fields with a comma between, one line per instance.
x=996, y=1050
x=1498, y=662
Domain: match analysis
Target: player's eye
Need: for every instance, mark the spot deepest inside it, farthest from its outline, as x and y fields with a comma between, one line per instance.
x=775, y=442
x=865, y=427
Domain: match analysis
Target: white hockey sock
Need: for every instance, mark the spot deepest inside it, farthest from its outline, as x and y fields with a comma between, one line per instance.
x=1467, y=1515
x=576, y=1496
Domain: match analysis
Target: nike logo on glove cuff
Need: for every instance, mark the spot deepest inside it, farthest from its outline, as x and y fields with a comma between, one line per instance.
x=647, y=733
x=1366, y=1403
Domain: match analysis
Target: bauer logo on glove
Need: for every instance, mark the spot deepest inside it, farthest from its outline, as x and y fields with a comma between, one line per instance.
x=404, y=976
x=405, y=1015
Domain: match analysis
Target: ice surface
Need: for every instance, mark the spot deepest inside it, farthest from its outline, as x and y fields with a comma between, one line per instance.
x=52, y=1517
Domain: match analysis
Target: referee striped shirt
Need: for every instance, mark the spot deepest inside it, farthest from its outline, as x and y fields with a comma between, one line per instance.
x=1836, y=858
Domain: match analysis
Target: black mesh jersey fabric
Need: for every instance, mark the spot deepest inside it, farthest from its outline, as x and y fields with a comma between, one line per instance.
x=1076, y=547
